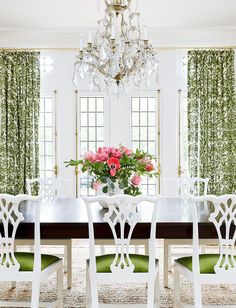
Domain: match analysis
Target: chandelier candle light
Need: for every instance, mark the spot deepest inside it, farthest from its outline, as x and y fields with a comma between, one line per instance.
x=120, y=53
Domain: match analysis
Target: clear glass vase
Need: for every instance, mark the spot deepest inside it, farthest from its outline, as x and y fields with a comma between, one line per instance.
x=111, y=192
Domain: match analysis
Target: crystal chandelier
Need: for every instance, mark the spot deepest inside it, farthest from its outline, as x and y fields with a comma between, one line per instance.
x=120, y=55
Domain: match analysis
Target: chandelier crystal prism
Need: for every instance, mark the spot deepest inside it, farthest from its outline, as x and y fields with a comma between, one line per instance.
x=120, y=56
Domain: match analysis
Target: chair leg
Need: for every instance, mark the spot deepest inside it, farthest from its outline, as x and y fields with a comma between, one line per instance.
x=146, y=247
x=150, y=293
x=157, y=302
x=197, y=295
x=65, y=261
x=166, y=264
x=88, y=290
x=169, y=258
x=176, y=288
x=35, y=294
x=13, y=283
x=60, y=287
x=69, y=264
x=93, y=292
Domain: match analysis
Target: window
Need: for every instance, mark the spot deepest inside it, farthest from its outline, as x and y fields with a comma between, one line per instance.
x=144, y=133
x=46, y=137
x=91, y=133
x=183, y=140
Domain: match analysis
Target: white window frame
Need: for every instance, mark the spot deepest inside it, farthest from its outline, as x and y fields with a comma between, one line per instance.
x=94, y=94
x=146, y=94
x=51, y=95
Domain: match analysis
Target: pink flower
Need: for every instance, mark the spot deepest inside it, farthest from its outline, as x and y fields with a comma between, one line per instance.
x=114, y=165
x=116, y=153
x=149, y=167
x=89, y=156
x=126, y=150
x=102, y=154
x=96, y=185
x=136, y=180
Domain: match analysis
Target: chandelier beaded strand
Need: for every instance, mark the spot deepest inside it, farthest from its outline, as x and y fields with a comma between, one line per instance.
x=120, y=56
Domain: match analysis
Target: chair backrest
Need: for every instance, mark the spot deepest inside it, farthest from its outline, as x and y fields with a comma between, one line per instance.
x=222, y=211
x=184, y=186
x=122, y=217
x=48, y=188
x=10, y=218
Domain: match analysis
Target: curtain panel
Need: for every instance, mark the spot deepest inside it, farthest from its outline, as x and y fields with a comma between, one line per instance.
x=19, y=116
x=212, y=118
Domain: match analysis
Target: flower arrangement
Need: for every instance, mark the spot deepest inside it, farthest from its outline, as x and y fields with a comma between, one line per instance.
x=111, y=166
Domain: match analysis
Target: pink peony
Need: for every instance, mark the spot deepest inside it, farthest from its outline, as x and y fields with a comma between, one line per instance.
x=102, y=154
x=126, y=150
x=96, y=185
x=116, y=153
x=136, y=180
x=89, y=156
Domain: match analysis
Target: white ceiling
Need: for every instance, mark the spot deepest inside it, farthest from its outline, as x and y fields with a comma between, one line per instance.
x=75, y=16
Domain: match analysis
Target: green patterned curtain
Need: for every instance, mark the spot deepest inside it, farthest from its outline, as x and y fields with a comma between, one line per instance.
x=212, y=118
x=19, y=115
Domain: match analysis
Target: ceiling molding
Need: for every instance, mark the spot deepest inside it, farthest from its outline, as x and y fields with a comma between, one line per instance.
x=160, y=39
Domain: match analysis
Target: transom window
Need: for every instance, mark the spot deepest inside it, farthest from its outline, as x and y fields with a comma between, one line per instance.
x=91, y=133
x=46, y=137
x=144, y=133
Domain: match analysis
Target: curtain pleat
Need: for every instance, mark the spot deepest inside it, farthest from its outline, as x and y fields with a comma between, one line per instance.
x=19, y=103
x=212, y=118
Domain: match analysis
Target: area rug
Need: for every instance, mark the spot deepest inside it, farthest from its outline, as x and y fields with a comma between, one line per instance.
x=126, y=294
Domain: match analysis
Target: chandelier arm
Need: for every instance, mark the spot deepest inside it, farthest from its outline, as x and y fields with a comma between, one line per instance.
x=97, y=58
x=102, y=71
x=123, y=24
x=120, y=56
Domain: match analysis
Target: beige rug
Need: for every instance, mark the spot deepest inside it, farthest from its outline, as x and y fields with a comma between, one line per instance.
x=114, y=293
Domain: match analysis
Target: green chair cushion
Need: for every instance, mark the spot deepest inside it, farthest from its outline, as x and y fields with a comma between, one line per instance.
x=140, y=262
x=26, y=261
x=207, y=262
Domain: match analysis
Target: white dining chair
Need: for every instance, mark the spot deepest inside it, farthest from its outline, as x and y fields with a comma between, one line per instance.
x=220, y=268
x=181, y=187
x=25, y=266
x=122, y=267
x=49, y=189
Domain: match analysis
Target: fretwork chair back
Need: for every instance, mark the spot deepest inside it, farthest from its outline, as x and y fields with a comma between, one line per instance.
x=184, y=186
x=217, y=268
x=181, y=187
x=122, y=266
x=23, y=266
x=49, y=189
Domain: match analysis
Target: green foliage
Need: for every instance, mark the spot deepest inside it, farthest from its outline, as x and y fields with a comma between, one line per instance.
x=131, y=164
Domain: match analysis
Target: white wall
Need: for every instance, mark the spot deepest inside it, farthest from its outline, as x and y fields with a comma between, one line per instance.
x=170, y=80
